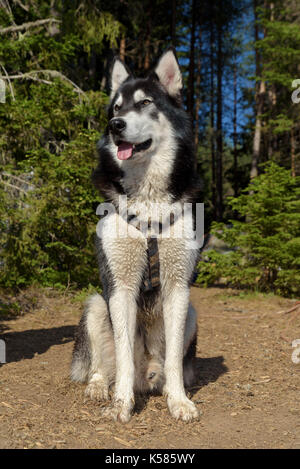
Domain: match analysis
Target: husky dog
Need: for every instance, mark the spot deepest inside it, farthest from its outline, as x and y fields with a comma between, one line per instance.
x=142, y=338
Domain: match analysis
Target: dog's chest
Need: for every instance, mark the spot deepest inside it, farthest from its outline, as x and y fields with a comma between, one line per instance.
x=148, y=184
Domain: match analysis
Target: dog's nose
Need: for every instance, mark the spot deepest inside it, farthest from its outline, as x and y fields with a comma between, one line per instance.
x=117, y=125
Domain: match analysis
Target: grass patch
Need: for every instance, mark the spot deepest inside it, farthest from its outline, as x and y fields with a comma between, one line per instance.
x=81, y=295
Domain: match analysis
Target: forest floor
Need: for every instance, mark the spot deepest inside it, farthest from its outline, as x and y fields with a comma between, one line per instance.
x=248, y=385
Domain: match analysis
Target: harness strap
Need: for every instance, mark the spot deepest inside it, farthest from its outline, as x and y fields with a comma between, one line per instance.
x=151, y=277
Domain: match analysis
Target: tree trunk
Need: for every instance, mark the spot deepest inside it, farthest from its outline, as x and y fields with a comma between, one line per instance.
x=104, y=76
x=147, y=53
x=122, y=48
x=293, y=152
x=54, y=28
x=198, y=90
x=191, y=78
x=212, y=112
x=259, y=100
x=257, y=131
x=219, y=154
x=272, y=100
x=235, y=177
x=173, y=24
x=148, y=38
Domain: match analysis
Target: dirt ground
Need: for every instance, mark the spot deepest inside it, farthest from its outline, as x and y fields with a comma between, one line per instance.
x=248, y=387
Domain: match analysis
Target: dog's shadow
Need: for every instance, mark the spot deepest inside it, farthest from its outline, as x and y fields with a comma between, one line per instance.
x=207, y=370
x=26, y=344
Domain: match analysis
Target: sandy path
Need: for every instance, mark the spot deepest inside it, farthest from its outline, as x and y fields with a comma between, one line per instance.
x=248, y=384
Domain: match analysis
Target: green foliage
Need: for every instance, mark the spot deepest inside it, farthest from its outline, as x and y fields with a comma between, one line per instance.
x=263, y=251
x=55, y=112
x=9, y=310
x=83, y=294
x=279, y=49
x=49, y=128
x=95, y=28
x=50, y=227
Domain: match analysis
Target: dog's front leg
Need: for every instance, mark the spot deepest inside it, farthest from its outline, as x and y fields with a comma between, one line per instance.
x=175, y=307
x=123, y=308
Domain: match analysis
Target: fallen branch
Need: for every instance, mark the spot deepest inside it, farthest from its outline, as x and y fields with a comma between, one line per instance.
x=291, y=309
x=26, y=26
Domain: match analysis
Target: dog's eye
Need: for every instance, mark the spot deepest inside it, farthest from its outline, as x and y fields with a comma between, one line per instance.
x=145, y=102
x=117, y=108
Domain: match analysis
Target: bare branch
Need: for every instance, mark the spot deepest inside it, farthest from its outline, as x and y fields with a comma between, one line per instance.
x=16, y=177
x=56, y=74
x=11, y=185
x=51, y=73
x=6, y=6
x=9, y=82
x=26, y=26
x=26, y=76
x=24, y=7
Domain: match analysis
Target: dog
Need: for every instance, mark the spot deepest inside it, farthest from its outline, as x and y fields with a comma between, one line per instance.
x=140, y=334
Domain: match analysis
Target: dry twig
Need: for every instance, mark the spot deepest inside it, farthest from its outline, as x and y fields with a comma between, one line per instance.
x=51, y=73
x=296, y=305
x=26, y=26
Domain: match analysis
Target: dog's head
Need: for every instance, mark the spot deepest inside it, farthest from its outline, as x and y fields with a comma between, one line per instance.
x=139, y=108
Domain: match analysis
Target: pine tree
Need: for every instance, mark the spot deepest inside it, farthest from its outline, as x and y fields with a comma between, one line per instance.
x=263, y=250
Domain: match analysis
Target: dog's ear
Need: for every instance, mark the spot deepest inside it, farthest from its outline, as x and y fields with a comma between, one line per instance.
x=169, y=74
x=119, y=74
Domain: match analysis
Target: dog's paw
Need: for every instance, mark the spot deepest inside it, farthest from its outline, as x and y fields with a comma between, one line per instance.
x=97, y=390
x=183, y=410
x=119, y=411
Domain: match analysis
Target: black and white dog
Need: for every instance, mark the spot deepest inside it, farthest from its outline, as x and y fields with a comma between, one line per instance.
x=141, y=334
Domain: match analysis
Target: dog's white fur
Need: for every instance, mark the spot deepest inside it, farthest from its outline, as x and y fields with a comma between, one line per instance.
x=119, y=74
x=169, y=74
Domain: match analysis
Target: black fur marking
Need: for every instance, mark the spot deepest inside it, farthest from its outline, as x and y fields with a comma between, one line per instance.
x=105, y=272
x=154, y=115
x=191, y=352
x=81, y=350
x=189, y=365
x=107, y=176
x=146, y=301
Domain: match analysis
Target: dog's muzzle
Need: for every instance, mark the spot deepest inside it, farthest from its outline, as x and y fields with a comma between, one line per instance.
x=117, y=125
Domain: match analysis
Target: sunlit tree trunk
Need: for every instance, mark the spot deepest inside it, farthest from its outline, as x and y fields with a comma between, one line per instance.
x=259, y=100
x=122, y=48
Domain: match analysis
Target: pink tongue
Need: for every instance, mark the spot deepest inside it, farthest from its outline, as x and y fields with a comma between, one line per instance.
x=125, y=151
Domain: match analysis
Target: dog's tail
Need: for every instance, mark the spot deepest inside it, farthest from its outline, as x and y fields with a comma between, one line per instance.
x=94, y=346
x=81, y=360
